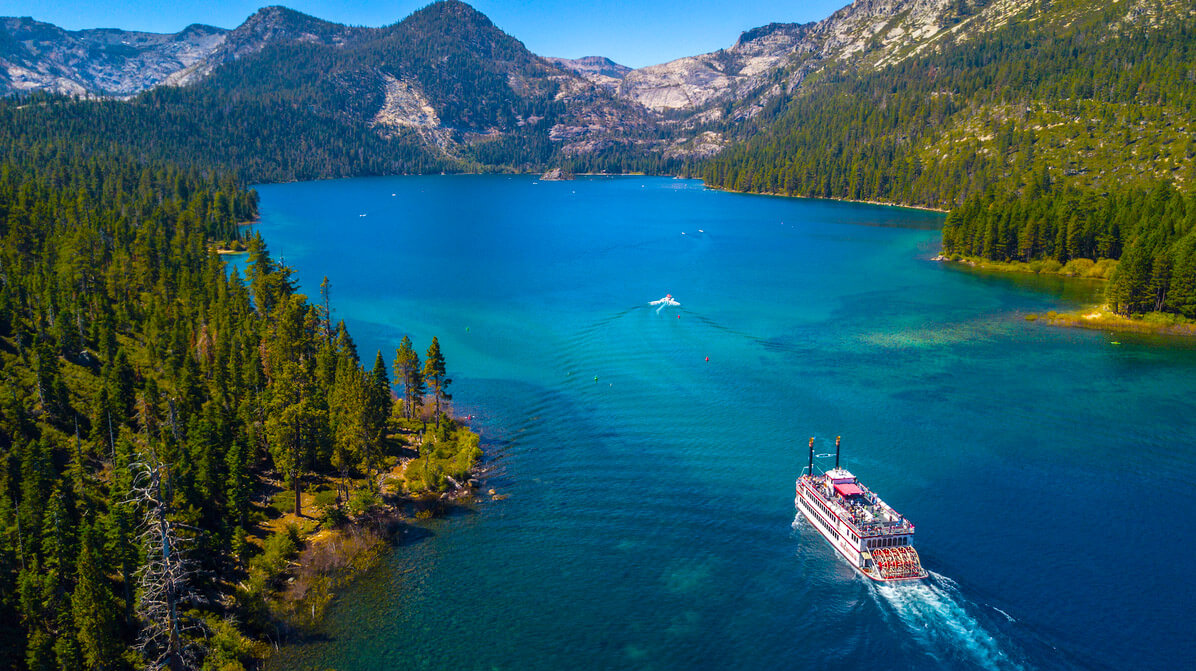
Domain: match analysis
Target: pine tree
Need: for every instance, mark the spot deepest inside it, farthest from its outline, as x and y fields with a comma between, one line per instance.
x=237, y=486
x=410, y=375
x=434, y=373
x=349, y=418
x=379, y=399
x=95, y=609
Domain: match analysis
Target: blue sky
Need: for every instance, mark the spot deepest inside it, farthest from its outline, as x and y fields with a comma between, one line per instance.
x=633, y=33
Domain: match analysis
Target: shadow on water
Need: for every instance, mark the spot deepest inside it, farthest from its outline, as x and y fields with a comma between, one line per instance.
x=411, y=534
x=436, y=509
x=1072, y=289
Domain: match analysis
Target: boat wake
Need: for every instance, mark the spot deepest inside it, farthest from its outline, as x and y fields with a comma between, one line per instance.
x=936, y=615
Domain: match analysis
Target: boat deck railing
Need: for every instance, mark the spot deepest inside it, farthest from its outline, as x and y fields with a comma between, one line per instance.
x=854, y=513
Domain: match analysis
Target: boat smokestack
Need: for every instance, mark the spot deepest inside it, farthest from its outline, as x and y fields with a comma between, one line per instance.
x=837, y=439
x=811, y=457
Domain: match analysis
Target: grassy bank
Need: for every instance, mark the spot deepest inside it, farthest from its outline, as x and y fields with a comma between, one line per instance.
x=1100, y=317
x=1090, y=317
x=1078, y=268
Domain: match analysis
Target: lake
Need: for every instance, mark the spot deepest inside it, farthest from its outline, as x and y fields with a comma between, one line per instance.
x=649, y=455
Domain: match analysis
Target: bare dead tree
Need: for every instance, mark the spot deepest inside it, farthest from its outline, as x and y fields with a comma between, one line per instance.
x=163, y=582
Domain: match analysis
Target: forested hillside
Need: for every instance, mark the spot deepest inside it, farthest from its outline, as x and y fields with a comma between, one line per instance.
x=1092, y=101
x=150, y=401
x=1064, y=135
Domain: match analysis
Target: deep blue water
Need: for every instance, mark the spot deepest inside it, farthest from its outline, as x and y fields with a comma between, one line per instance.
x=650, y=520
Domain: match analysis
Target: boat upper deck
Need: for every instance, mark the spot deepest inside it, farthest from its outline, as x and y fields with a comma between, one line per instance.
x=856, y=504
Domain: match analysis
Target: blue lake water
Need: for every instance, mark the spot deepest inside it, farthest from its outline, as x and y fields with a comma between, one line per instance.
x=650, y=520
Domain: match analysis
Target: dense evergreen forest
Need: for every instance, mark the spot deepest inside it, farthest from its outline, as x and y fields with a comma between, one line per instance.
x=1153, y=233
x=153, y=405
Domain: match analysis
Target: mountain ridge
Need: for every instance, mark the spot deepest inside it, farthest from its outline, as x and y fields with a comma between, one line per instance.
x=446, y=84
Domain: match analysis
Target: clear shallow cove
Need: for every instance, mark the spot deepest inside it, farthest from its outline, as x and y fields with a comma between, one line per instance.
x=650, y=520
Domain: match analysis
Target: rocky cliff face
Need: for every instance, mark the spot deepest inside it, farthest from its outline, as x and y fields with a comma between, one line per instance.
x=690, y=83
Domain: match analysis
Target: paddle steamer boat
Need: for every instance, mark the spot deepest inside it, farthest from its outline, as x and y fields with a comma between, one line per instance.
x=873, y=537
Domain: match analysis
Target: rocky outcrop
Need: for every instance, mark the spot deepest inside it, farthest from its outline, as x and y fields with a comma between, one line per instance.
x=597, y=69
x=405, y=106
x=36, y=56
x=556, y=175
x=690, y=83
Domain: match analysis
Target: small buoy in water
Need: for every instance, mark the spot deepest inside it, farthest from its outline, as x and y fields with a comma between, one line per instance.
x=708, y=358
x=467, y=329
x=678, y=316
x=595, y=378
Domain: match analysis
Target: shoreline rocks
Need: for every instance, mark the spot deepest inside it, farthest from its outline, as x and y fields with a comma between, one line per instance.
x=556, y=175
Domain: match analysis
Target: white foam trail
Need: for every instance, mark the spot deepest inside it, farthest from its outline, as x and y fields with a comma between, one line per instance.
x=1007, y=615
x=944, y=579
x=934, y=613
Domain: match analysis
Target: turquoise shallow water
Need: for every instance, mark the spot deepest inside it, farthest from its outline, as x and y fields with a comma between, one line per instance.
x=650, y=520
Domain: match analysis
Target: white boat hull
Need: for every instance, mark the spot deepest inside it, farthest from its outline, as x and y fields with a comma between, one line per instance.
x=842, y=537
